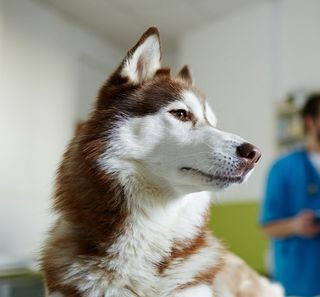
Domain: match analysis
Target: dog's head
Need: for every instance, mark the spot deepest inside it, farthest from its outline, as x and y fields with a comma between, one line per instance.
x=161, y=129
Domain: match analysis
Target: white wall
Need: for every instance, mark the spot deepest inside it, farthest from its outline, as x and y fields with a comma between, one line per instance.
x=48, y=66
x=230, y=60
x=299, y=45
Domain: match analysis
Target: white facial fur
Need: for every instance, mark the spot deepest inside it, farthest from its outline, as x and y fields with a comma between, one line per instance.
x=162, y=149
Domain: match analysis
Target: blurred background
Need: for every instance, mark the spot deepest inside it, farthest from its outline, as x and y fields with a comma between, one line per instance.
x=254, y=59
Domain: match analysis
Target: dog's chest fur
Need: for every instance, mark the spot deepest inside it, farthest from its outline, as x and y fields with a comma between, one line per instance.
x=144, y=253
x=161, y=251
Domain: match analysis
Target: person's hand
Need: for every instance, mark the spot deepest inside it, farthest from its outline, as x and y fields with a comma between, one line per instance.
x=304, y=224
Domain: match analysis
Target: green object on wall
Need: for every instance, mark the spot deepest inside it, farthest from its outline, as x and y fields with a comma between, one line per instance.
x=237, y=225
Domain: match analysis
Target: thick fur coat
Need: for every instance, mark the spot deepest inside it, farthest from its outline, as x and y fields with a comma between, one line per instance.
x=129, y=222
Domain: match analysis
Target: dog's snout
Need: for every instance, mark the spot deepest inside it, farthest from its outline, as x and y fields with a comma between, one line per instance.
x=249, y=152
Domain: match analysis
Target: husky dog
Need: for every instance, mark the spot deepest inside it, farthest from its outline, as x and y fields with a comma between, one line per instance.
x=128, y=224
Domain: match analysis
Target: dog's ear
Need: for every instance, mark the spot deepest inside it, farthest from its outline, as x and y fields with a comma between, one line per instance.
x=143, y=60
x=185, y=74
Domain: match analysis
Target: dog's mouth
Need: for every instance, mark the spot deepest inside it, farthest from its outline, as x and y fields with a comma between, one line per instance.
x=217, y=177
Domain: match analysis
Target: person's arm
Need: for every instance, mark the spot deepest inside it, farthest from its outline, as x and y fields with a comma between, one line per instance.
x=281, y=228
x=275, y=218
x=302, y=225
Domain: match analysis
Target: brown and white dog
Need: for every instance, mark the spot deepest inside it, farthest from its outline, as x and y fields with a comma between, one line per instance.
x=128, y=224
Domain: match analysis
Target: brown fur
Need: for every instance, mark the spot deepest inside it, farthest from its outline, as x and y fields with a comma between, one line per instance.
x=204, y=277
x=185, y=74
x=91, y=203
x=90, y=200
x=183, y=250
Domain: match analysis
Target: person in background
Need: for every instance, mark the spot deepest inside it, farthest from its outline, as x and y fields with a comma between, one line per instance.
x=291, y=210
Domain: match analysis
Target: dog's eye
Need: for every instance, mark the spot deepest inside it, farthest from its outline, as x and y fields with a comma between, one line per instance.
x=180, y=114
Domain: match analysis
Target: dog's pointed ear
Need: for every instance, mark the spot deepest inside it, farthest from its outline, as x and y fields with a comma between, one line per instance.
x=185, y=74
x=143, y=60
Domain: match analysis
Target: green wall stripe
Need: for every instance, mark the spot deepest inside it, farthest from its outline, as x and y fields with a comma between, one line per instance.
x=237, y=225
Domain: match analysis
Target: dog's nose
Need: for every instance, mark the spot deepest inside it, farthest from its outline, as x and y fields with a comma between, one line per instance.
x=249, y=152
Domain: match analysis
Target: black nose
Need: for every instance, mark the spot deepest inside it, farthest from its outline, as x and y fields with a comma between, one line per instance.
x=249, y=152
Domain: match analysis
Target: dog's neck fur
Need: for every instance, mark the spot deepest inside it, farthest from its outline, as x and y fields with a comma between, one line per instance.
x=102, y=205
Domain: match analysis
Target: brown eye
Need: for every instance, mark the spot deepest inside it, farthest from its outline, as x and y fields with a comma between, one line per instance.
x=180, y=114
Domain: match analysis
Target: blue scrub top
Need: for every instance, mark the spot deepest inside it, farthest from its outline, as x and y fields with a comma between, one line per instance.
x=293, y=185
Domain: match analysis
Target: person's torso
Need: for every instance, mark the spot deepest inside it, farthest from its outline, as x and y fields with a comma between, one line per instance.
x=298, y=259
